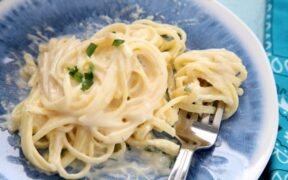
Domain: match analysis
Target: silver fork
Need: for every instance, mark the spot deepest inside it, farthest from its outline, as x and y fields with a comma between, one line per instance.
x=195, y=133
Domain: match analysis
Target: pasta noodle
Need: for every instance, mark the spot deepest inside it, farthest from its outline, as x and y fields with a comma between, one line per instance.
x=90, y=98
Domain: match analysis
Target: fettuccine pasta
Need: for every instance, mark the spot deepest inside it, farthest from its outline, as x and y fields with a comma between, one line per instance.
x=91, y=98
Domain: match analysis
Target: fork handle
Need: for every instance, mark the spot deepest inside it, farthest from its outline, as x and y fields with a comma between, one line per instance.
x=181, y=166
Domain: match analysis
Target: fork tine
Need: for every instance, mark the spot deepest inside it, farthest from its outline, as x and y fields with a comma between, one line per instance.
x=202, y=132
x=218, y=114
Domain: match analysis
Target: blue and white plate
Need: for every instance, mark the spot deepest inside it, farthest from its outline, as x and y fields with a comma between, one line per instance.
x=246, y=140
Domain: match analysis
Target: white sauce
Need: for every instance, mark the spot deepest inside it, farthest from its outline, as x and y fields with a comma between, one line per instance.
x=151, y=164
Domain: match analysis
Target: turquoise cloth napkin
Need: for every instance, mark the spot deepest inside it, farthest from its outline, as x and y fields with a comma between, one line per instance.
x=276, y=46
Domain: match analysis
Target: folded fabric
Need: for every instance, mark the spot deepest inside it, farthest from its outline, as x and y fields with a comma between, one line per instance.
x=276, y=46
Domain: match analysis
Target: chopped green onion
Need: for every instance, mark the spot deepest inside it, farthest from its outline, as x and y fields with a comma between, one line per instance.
x=167, y=37
x=86, y=80
x=86, y=84
x=88, y=76
x=73, y=71
x=78, y=77
x=188, y=88
x=118, y=42
x=75, y=74
x=237, y=74
x=90, y=49
x=113, y=32
x=91, y=67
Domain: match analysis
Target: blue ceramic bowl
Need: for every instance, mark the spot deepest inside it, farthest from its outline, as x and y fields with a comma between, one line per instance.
x=246, y=139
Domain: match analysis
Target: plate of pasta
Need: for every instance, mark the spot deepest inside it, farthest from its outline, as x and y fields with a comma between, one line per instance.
x=93, y=89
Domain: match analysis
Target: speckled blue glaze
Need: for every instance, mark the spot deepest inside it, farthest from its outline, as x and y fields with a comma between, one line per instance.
x=235, y=145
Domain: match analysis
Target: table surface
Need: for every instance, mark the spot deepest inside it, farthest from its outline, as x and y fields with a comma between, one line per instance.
x=252, y=12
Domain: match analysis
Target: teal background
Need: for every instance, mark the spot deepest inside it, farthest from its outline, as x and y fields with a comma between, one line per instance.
x=280, y=26
x=252, y=12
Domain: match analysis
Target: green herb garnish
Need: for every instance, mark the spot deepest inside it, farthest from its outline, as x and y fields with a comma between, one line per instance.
x=73, y=71
x=90, y=49
x=167, y=37
x=91, y=67
x=88, y=78
x=118, y=42
x=86, y=84
x=75, y=74
x=113, y=32
x=78, y=77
